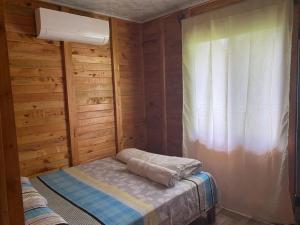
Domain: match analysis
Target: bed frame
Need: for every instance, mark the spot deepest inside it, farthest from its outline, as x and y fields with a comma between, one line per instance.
x=211, y=215
x=210, y=218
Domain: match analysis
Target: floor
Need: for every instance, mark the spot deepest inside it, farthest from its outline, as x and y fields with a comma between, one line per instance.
x=225, y=217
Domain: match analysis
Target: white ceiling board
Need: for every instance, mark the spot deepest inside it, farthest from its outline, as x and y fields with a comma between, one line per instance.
x=133, y=10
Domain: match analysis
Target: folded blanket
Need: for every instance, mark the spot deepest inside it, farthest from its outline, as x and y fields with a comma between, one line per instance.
x=184, y=167
x=153, y=172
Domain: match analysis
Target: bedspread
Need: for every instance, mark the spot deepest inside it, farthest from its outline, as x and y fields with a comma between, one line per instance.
x=108, y=192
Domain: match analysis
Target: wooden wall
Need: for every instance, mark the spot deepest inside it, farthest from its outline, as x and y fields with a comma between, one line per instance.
x=77, y=102
x=293, y=180
x=153, y=73
x=11, y=210
x=37, y=79
x=173, y=83
x=93, y=88
x=64, y=95
x=163, y=84
x=129, y=83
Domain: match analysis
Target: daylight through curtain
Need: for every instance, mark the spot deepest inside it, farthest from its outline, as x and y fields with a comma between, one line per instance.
x=236, y=69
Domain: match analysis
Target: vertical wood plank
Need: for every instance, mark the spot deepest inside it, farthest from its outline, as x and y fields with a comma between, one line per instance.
x=10, y=189
x=173, y=85
x=71, y=102
x=131, y=89
x=4, y=217
x=141, y=37
x=293, y=103
x=153, y=85
x=163, y=86
x=116, y=83
x=90, y=111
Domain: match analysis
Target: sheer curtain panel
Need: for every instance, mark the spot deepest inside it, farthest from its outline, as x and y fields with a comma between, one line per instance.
x=236, y=74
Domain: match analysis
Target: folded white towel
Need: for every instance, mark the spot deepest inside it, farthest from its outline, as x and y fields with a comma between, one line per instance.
x=153, y=172
x=184, y=167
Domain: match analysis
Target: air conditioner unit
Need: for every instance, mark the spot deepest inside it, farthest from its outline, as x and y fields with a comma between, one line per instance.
x=61, y=26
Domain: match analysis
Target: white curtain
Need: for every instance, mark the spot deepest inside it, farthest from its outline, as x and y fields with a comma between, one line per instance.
x=236, y=68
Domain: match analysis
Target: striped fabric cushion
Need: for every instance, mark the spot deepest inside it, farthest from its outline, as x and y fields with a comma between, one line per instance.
x=43, y=216
x=25, y=180
x=31, y=198
x=36, y=211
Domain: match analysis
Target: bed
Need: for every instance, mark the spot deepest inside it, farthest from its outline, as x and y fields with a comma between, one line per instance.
x=105, y=192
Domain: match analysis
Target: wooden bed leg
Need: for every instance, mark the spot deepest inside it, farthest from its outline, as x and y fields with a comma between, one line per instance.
x=211, y=215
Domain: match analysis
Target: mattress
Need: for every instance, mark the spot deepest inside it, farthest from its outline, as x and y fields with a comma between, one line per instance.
x=105, y=192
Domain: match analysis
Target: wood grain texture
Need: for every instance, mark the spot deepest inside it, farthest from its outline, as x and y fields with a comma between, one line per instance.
x=11, y=208
x=93, y=101
x=293, y=104
x=71, y=102
x=293, y=114
x=38, y=91
x=163, y=87
x=173, y=84
x=153, y=73
x=163, y=84
x=40, y=97
x=116, y=82
x=64, y=94
x=128, y=83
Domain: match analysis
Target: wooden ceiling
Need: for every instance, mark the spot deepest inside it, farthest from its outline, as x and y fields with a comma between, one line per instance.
x=133, y=10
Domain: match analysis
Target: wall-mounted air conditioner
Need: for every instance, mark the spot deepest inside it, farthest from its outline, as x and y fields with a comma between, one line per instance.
x=61, y=26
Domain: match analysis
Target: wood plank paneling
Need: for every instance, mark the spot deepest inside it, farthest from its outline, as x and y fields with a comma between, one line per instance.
x=163, y=84
x=173, y=84
x=11, y=208
x=71, y=101
x=129, y=84
x=93, y=101
x=153, y=74
x=116, y=81
x=292, y=148
x=38, y=91
x=64, y=94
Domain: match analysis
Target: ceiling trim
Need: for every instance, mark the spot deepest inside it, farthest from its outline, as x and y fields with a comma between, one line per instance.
x=185, y=6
